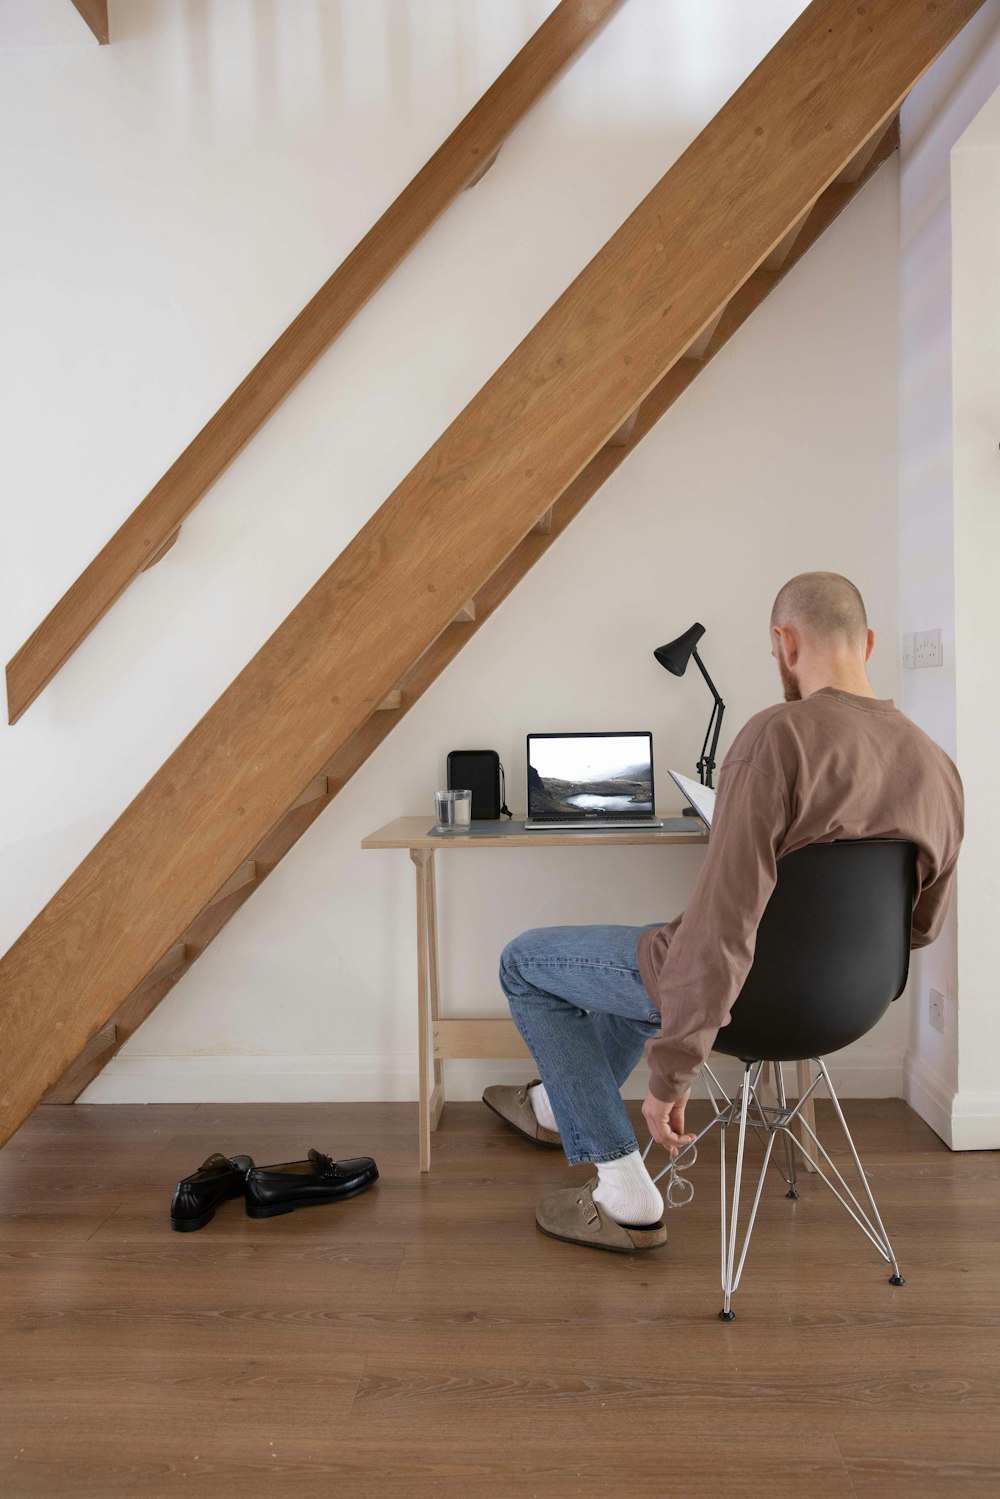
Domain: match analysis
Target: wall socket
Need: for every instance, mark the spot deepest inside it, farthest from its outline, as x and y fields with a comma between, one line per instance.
x=936, y=1003
x=922, y=648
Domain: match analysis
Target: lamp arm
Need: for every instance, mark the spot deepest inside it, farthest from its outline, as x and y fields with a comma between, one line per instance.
x=720, y=708
x=703, y=758
x=711, y=685
x=706, y=764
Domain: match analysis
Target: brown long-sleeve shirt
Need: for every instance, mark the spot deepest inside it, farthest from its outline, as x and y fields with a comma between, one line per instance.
x=832, y=766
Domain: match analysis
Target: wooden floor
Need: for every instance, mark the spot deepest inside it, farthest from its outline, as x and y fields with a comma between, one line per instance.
x=425, y=1339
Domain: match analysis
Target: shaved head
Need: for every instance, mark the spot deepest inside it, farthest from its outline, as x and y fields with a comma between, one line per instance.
x=820, y=634
x=825, y=609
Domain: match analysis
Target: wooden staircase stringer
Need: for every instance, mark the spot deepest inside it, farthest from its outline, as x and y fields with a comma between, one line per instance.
x=183, y=954
x=353, y=754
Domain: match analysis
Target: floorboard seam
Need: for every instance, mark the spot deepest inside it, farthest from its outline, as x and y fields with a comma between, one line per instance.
x=400, y=1267
x=104, y=1221
x=843, y=1459
x=357, y=1385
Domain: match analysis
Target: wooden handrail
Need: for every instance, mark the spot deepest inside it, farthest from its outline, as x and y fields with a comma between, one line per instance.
x=152, y=527
x=534, y=435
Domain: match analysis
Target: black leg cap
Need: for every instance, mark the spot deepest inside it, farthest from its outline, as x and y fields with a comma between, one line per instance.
x=792, y=1196
x=896, y=1280
x=727, y=1316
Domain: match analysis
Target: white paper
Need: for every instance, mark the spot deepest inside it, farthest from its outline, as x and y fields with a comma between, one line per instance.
x=702, y=798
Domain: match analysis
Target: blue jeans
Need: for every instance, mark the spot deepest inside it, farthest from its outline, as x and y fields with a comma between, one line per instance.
x=578, y=1001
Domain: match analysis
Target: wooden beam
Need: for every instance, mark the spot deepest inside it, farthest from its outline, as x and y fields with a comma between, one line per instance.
x=478, y=1038
x=95, y=13
x=452, y=525
x=463, y=158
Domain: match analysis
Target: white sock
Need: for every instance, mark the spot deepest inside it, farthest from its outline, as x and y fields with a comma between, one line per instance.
x=539, y=1100
x=627, y=1192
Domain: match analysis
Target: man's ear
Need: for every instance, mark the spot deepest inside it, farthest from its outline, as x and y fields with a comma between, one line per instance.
x=869, y=645
x=786, y=642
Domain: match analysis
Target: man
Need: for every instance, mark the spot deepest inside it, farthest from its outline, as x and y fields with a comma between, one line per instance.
x=831, y=762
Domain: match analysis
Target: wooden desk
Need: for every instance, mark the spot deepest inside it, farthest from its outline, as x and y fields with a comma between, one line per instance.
x=439, y=1039
x=500, y=1038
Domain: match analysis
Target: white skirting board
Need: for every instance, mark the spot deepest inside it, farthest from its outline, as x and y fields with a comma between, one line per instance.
x=965, y=1121
x=134, y=1078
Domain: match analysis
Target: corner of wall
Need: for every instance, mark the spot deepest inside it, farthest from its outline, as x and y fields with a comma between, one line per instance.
x=936, y=114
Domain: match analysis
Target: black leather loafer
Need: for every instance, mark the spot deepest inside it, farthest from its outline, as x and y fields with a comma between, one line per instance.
x=197, y=1196
x=271, y=1190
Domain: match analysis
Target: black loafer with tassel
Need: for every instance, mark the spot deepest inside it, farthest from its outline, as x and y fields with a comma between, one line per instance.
x=197, y=1196
x=271, y=1190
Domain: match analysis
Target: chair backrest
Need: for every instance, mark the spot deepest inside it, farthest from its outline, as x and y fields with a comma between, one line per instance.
x=833, y=951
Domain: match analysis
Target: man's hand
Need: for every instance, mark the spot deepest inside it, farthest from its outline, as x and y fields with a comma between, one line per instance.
x=666, y=1121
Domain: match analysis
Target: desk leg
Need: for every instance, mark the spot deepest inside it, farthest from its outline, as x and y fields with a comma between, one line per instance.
x=766, y=1088
x=803, y=1078
x=433, y=973
x=422, y=859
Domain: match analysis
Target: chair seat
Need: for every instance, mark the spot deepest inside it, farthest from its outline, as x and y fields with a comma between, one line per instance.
x=790, y=1034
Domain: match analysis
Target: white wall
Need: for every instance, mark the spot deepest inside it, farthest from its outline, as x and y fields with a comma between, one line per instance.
x=975, y=175
x=937, y=112
x=43, y=23
x=174, y=200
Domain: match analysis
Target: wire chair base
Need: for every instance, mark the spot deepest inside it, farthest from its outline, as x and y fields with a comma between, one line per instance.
x=748, y=1110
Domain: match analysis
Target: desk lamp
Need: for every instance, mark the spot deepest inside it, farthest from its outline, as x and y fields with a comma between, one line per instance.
x=675, y=657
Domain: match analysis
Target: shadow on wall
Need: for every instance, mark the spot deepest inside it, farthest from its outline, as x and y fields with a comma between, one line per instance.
x=384, y=53
x=341, y=31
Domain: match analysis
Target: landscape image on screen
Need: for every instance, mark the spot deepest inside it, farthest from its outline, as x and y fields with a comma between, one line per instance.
x=583, y=776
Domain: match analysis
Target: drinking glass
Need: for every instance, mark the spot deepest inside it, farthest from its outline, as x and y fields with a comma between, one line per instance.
x=454, y=811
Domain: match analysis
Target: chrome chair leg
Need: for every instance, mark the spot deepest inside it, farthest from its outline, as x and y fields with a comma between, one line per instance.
x=884, y=1247
x=729, y=1233
x=779, y=1083
x=731, y=1270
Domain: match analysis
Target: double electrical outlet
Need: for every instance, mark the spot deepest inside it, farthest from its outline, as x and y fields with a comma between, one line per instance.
x=922, y=648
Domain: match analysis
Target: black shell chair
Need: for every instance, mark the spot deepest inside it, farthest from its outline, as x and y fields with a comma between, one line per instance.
x=832, y=953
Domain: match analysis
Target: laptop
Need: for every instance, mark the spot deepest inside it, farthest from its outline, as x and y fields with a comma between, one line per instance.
x=591, y=781
x=702, y=798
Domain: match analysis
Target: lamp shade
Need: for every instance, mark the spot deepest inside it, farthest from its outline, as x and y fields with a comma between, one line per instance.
x=677, y=653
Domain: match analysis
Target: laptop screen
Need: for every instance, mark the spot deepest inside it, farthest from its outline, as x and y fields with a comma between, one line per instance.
x=590, y=776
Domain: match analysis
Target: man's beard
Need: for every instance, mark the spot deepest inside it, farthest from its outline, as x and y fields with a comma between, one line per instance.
x=789, y=681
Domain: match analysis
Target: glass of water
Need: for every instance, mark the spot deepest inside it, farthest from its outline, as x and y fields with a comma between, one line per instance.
x=454, y=811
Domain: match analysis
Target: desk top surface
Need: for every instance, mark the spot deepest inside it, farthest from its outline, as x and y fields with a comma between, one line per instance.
x=414, y=832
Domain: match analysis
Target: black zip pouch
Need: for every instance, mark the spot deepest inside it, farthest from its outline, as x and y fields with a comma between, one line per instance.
x=480, y=772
